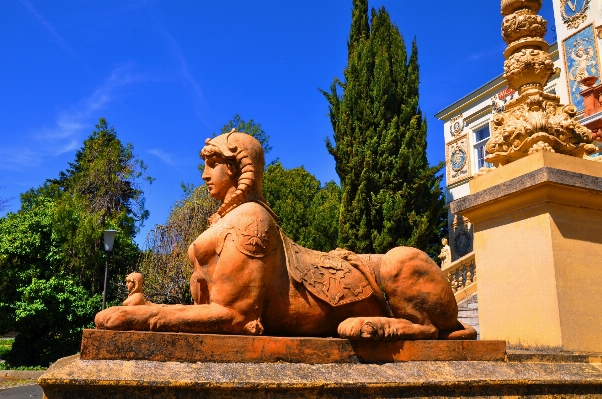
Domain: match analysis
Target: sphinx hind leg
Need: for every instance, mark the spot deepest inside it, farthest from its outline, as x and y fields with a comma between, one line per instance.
x=417, y=290
x=384, y=328
x=418, y=295
x=463, y=331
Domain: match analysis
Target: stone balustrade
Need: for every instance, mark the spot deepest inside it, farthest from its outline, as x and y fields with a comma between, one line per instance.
x=462, y=275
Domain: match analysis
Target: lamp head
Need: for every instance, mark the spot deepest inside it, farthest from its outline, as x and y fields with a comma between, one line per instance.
x=110, y=239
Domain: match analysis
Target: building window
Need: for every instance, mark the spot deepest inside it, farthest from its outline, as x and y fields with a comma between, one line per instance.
x=481, y=137
x=550, y=90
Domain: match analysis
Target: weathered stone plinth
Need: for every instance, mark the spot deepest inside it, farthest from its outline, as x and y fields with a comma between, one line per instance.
x=538, y=243
x=277, y=367
x=192, y=348
x=116, y=379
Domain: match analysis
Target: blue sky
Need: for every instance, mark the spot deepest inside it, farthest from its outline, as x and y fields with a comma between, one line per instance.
x=167, y=74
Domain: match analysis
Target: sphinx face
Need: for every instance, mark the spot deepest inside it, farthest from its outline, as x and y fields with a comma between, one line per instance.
x=130, y=284
x=220, y=179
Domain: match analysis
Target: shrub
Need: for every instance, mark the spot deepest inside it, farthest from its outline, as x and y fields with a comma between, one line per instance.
x=50, y=318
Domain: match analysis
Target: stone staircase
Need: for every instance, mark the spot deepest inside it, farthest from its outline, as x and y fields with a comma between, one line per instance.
x=468, y=312
x=462, y=276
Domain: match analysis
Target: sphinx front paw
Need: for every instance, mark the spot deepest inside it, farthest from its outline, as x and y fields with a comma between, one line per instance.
x=360, y=328
x=385, y=328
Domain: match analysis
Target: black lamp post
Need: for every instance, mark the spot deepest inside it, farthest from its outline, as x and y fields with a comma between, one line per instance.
x=109, y=240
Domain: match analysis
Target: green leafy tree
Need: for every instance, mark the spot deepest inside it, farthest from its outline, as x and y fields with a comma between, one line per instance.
x=26, y=251
x=323, y=218
x=165, y=264
x=50, y=317
x=103, y=185
x=32, y=263
x=308, y=212
x=390, y=194
x=59, y=232
x=105, y=172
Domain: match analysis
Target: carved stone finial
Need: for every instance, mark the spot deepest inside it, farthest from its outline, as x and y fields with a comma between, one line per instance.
x=510, y=6
x=534, y=121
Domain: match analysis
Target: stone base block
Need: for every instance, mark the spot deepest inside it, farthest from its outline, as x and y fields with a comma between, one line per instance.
x=181, y=347
x=74, y=378
x=538, y=244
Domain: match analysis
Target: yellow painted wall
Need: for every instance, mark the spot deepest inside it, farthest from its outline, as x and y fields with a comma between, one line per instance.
x=538, y=252
x=577, y=240
x=517, y=282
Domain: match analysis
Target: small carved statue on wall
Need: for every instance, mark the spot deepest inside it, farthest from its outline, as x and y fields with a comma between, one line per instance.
x=250, y=278
x=134, y=282
x=445, y=254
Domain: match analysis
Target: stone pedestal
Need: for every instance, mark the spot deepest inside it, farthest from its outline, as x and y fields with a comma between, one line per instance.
x=538, y=243
x=194, y=348
x=135, y=365
x=141, y=379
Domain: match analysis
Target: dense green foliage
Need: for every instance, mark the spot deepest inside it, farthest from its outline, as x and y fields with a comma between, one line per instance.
x=56, y=241
x=5, y=346
x=50, y=316
x=104, y=174
x=165, y=264
x=390, y=194
x=308, y=212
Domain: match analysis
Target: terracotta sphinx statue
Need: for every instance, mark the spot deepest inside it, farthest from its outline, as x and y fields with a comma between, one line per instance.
x=250, y=278
x=134, y=282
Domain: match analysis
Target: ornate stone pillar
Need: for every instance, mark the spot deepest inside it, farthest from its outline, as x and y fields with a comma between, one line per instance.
x=534, y=121
x=537, y=220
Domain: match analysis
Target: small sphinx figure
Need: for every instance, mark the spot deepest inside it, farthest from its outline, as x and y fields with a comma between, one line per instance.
x=250, y=278
x=445, y=254
x=134, y=282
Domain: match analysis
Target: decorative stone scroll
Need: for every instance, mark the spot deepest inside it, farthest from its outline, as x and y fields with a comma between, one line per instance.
x=534, y=121
x=461, y=236
x=456, y=125
x=458, y=159
x=574, y=12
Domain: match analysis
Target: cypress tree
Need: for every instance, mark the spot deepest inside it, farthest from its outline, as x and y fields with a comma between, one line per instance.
x=390, y=194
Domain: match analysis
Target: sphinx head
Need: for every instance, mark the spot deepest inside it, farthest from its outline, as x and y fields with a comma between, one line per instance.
x=134, y=282
x=245, y=159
